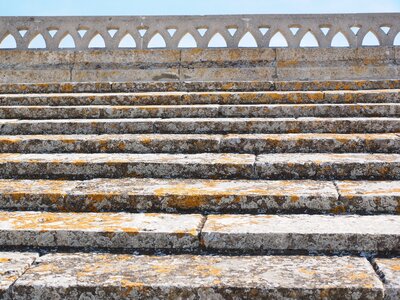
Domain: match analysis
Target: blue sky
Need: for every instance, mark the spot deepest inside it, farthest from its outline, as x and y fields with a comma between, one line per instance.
x=183, y=7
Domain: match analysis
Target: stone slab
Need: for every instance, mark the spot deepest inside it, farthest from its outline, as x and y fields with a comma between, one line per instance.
x=328, y=166
x=12, y=266
x=310, y=142
x=259, y=233
x=371, y=196
x=99, y=230
x=171, y=195
x=390, y=268
x=111, y=143
x=85, y=166
x=107, y=276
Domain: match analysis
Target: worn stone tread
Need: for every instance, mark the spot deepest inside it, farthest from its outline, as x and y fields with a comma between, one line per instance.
x=390, y=268
x=173, y=195
x=156, y=86
x=99, y=230
x=328, y=166
x=370, y=196
x=202, y=143
x=201, y=111
x=201, y=125
x=12, y=266
x=85, y=166
x=110, y=276
x=379, y=233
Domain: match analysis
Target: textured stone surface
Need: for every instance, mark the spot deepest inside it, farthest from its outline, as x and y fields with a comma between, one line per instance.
x=371, y=196
x=201, y=111
x=202, y=125
x=259, y=233
x=99, y=230
x=307, y=142
x=12, y=266
x=236, y=196
x=72, y=276
x=206, y=165
x=390, y=267
x=328, y=166
x=120, y=143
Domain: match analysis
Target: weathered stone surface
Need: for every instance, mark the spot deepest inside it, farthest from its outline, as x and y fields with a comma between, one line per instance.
x=99, y=230
x=172, y=195
x=201, y=111
x=358, y=86
x=12, y=266
x=201, y=143
x=202, y=125
x=371, y=196
x=107, y=276
x=307, y=142
x=206, y=165
x=113, y=143
x=260, y=233
x=390, y=267
x=328, y=166
x=275, y=125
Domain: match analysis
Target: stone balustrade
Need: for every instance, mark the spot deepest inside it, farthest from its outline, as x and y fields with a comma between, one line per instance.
x=173, y=32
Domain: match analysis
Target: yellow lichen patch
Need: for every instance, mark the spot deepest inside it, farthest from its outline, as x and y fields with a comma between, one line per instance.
x=294, y=198
x=340, y=209
x=4, y=260
x=358, y=276
x=208, y=270
x=395, y=268
x=129, y=286
x=163, y=268
x=307, y=271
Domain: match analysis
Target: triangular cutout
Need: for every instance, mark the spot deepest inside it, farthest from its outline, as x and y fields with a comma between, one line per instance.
x=385, y=29
x=112, y=32
x=37, y=43
x=396, y=41
x=142, y=31
x=339, y=40
x=127, y=42
x=82, y=32
x=355, y=29
x=157, y=41
x=67, y=42
x=294, y=29
x=248, y=41
x=309, y=40
x=8, y=42
x=171, y=31
x=325, y=30
x=187, y=41
x=53, y=32
x=370, y=39
x=217, y=41
x=202, y=31
x=232, y=30
x=22, y=32
x=263, y=30
x=278, y=40
x=97, y=42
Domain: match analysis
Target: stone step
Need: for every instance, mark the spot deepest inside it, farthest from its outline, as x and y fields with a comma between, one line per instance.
x=201, y=111
x=201, y=125
x=111, y=276
x=328, y=166
x=390, y=269
x=205, y=165
x=205, y=196
x=261, y=233
x=211, y=97
x=202, y=143
x=100, y=230
x=156, y=86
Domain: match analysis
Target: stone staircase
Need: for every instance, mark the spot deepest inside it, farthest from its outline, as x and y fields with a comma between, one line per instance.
x=265, y=173
x=215, y=191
